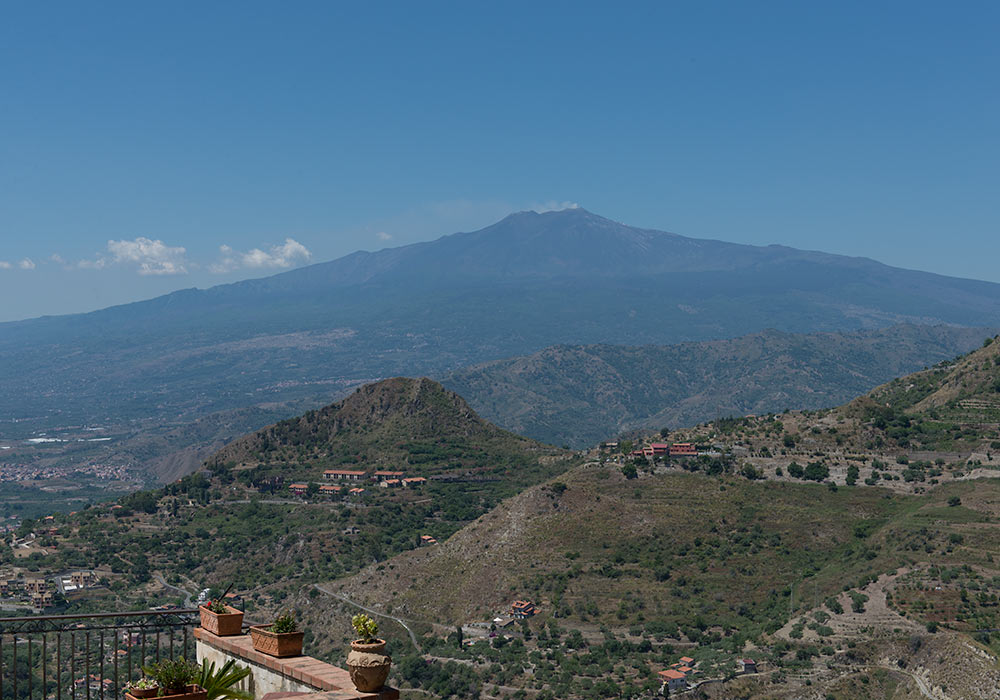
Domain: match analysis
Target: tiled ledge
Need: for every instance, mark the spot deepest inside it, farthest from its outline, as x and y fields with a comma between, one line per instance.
x=297, y=673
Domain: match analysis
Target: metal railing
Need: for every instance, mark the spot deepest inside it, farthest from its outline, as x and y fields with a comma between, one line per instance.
x=88, y=657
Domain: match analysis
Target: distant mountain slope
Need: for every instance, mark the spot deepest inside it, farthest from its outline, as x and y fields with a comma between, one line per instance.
x=582, y=394
x=522, y=284
x=400, y=423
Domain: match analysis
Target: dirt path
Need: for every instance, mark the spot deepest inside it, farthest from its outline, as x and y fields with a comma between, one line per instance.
x=848, y=624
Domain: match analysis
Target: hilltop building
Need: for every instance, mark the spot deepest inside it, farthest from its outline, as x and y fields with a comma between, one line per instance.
x=345, y=475
x=683, y=449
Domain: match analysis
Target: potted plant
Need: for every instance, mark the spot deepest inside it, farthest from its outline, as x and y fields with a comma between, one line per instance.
x=280, y=638
x=177, y=679
x=219, y=685
x=221, y=619
x=142, y=688
x=367, y=662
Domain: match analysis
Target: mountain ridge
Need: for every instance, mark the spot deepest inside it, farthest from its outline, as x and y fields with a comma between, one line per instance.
x=525, y=283
x=584, y=394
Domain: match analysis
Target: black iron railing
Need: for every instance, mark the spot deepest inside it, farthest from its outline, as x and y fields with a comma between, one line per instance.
x=87, y=657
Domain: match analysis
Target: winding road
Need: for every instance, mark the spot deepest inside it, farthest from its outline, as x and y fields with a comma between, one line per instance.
x=345, y=599
x=180, y=591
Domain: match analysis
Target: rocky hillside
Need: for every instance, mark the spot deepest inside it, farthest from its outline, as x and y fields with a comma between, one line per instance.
x=582, y=394
x=402, y=423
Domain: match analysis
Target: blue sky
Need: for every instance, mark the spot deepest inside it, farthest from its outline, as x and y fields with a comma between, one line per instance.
x=146, y=147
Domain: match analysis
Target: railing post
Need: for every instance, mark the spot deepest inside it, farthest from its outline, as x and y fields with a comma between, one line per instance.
x=59, y=668
x=86, y=662
x=100, y=660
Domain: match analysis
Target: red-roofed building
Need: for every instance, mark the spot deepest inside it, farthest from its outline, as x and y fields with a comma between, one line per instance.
x=414, y=481
x=683, y=449
x=522, y=609
x=746, y=666
x=387, y=475
x=390, y=483
x=344, y=474
x=356, y=491
x=427, y=539
x=298, y=489
x=329, y=489
x=660, y=448
x=687, y=660
x=675, y=680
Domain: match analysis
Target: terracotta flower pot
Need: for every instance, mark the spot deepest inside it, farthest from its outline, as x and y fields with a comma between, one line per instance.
x=143, y=693
x=275, y=643
x=224, y=624
x=368, y=665
x=193, y=692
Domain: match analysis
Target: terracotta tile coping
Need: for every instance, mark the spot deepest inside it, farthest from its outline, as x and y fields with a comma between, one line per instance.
x=331, y=682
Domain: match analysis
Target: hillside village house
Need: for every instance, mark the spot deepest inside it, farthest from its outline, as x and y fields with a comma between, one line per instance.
x=298, y=489
x=329, y=489
x=390, y=483
x=427, y=539
x=414, y=481
x=522, y=609
x=383, y=475
x=673, y=679
x=356, y=491
x=83, y=579
x=683, y=449
x=746, y=666
x=34, y=586
x=344, y=475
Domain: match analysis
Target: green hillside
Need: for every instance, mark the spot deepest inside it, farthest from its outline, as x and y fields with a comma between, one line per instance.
x=582, y=394
x=238, y=521
x=818, y=583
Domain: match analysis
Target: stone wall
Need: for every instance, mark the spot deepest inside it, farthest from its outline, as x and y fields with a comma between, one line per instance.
x=295, y=674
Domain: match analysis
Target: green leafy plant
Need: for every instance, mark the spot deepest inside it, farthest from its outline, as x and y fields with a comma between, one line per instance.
x=141, y=684
x=220, y=684
x=173, y=675
x=284, y=624
x=218, y=607
x=365, y=627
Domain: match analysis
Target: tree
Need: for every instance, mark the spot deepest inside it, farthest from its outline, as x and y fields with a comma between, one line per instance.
x=852, y=475
x=630, y=471
x=795, y=470
x=816, y=471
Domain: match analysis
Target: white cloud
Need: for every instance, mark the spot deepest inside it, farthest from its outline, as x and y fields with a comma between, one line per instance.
x=383, y=236
x=4, y=265
x=26, y=264
x=57, y=259
x=152, y=257
x=553, y=205
x=148, y=256
x=286, y=255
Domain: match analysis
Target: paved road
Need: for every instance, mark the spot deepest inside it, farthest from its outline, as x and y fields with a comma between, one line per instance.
x=180, y=591
x=413, y=638
x=921, y=684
